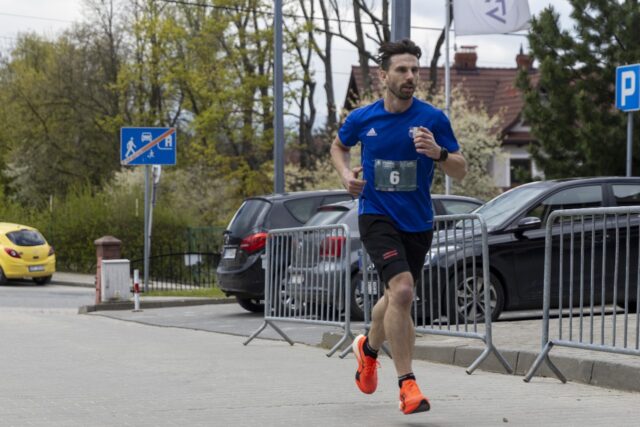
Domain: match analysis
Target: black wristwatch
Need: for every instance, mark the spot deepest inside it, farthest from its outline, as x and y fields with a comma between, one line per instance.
x=443, y=154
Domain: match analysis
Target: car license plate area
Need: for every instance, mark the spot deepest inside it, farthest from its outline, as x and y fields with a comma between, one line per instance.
x=372, y=287
x=297, y=279
x=229, y=253
x=34, y=268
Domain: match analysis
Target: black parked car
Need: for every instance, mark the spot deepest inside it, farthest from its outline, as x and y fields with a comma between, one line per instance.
x=240, y=271
x=516, y=223
x=347, y=213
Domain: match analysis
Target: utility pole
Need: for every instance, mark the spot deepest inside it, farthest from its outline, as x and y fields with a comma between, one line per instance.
x=447, y=82
x=400, y=19
x=278, y=102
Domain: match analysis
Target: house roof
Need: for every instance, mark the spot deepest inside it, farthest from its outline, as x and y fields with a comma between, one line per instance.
x=492, y=88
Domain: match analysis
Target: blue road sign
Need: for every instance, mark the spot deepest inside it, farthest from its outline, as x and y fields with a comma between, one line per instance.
x=628, y=87
x=147, y=146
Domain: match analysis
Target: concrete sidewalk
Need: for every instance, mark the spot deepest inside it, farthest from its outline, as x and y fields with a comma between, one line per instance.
x=519, y=341
x=147, y=302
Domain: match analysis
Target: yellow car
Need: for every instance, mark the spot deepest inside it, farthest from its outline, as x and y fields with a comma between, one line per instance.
x=24, y=253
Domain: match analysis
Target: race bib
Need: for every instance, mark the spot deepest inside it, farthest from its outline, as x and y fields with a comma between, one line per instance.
x=393, y=175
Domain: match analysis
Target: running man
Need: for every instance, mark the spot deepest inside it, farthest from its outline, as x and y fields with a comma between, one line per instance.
x=402, y=140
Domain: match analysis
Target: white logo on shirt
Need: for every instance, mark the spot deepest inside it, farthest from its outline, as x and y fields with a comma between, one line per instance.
x=372, y=132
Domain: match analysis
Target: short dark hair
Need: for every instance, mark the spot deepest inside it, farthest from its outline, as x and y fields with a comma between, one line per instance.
x=388, y=49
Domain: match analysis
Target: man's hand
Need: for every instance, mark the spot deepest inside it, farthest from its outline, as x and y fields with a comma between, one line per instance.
x=426, y=144
x=341, y=159
x=351, y=182
x=455, y=166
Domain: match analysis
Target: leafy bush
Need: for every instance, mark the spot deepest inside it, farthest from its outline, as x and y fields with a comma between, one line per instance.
x=73, y=224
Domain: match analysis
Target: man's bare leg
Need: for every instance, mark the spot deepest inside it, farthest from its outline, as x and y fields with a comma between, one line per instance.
x=398, y=325
x=376, y=335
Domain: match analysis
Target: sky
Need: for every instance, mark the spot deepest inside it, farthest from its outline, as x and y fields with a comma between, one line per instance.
x=46, y=17
x=50, y=17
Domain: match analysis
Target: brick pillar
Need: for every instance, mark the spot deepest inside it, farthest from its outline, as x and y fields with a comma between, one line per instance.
x=107, y=247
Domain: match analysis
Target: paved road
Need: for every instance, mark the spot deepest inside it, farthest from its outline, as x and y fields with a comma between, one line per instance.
x=27, y=294
x=63, y=369
x=225, y=318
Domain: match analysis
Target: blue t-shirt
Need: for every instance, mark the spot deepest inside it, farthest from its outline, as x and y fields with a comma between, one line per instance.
x=386, y=136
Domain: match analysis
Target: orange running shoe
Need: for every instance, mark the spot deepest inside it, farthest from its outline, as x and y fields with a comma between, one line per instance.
x=412, y=400
x=366, y=375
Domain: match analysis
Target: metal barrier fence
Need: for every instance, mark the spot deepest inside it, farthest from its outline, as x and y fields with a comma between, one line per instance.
x=308, y=279
x=451, y=298
x=602, y=249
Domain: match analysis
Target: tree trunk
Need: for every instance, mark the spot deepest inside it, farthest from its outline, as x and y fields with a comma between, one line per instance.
x=363, y=57
x=332, y=116
x=433, y=68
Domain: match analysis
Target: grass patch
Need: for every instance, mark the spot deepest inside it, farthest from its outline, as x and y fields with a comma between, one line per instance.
x=200, y=292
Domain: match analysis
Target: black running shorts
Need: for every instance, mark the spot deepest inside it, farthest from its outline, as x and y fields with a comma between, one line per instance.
x=391, y=250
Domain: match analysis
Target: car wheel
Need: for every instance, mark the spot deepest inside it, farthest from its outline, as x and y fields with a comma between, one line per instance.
x=632, y=307
x=463, y=299
x=253, y=305
x=42, y=280
x=357, y=297
x=290, y=300
x=3, y=278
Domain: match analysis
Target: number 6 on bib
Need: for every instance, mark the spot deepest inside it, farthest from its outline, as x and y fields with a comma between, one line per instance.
x=395, y=175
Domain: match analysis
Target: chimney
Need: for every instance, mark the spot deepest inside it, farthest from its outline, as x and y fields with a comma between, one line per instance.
x=524, y=62
x=466, y=58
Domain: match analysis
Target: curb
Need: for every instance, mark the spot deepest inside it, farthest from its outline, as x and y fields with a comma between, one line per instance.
x=583, y=370
x=78, y=284
x=128, y=305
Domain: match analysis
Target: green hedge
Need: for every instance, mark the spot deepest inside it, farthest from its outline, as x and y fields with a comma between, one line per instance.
x=72, y=224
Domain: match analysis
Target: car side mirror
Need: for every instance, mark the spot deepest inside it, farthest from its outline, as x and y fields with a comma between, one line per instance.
x=529, y=223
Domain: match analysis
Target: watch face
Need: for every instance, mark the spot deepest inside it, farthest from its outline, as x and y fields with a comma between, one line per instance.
x=443, y=154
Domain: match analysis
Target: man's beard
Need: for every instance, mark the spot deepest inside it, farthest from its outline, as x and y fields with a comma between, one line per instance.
x=399, y=94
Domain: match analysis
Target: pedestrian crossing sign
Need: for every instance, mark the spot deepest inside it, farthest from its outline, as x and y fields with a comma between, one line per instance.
x=147, y=146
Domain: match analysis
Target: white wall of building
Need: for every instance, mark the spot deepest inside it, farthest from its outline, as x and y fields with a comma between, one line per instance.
x=501, y=165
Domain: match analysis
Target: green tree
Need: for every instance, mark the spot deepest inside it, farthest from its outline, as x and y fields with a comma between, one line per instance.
x=57, y=108
x=204, y=67
x=570, y=106
x=476, y=132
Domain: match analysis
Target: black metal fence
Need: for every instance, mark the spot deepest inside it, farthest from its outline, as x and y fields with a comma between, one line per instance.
x=175, y=267
x=188, y=263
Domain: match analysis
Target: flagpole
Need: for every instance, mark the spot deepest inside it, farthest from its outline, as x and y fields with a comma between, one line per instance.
x=447, y=81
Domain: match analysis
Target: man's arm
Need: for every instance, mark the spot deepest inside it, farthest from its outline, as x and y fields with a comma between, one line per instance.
x=341, y=157
x=455, y=165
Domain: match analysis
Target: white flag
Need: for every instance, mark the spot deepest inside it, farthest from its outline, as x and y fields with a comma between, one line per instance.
x=490, y=16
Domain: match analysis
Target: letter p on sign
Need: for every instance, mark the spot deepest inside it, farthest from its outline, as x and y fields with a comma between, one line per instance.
x=628, y=87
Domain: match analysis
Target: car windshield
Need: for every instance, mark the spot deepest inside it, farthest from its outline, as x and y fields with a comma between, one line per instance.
x=326, y=217
x=26, y=238
x=250, y=216
x=496, y=211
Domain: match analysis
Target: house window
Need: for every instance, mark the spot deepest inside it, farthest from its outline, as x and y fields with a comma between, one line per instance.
x=520, y=171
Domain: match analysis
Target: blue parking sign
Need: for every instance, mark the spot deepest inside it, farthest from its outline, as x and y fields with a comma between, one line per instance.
x=628, y=87
x=147, y=146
